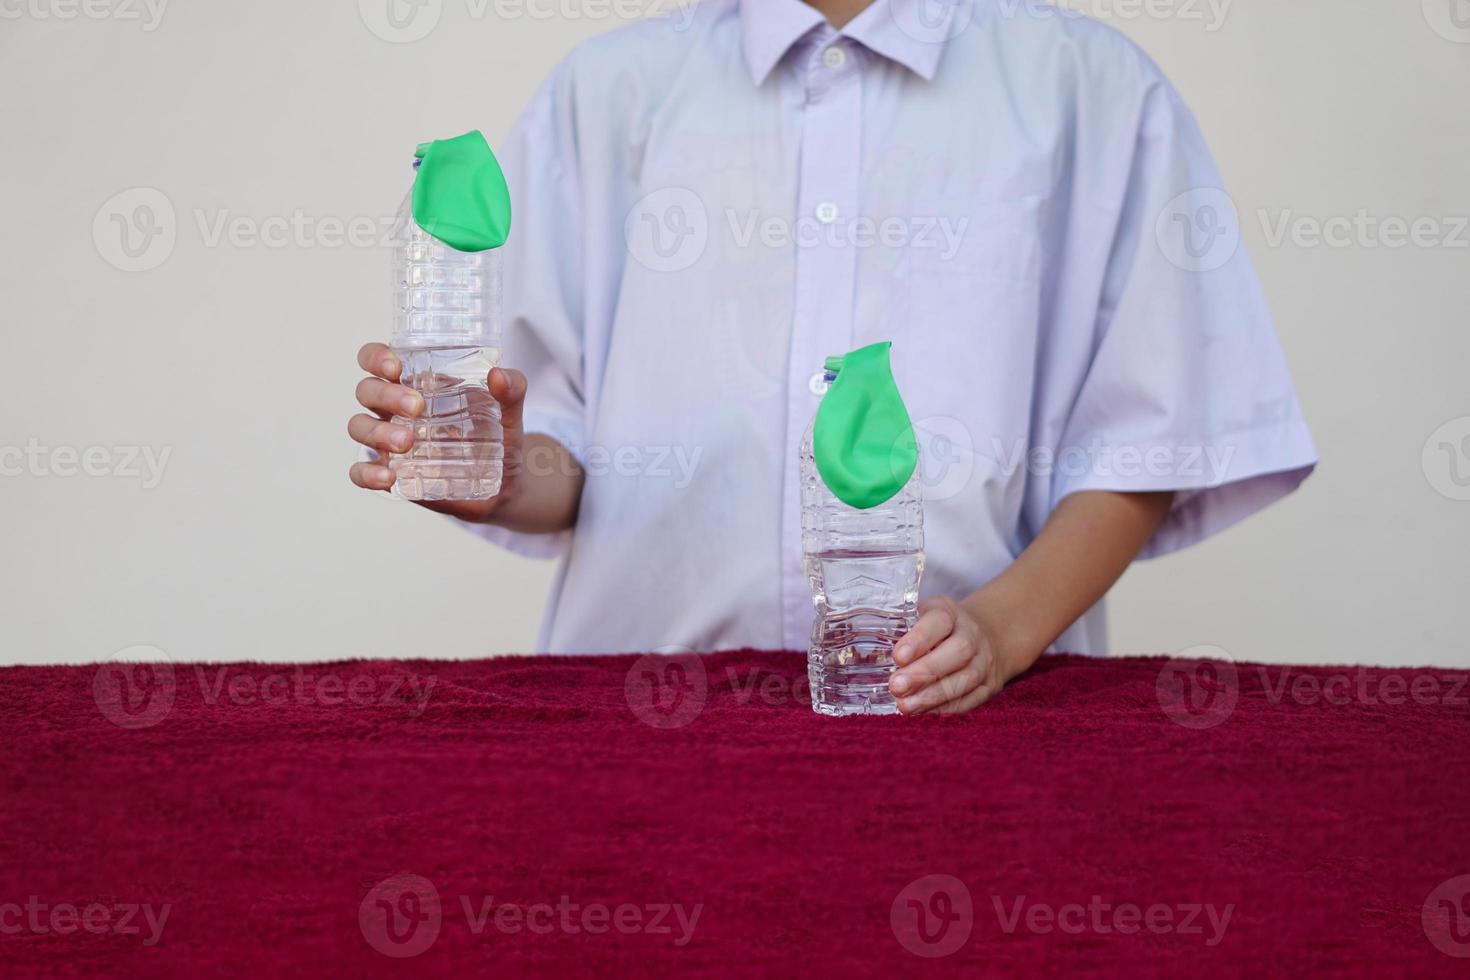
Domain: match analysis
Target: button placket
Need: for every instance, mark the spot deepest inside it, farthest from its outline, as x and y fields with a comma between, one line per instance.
x=826, y=269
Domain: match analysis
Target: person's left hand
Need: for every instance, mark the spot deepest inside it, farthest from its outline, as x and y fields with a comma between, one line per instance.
x=948, y=663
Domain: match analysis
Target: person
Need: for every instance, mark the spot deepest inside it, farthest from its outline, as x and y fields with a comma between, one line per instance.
x=706, y=206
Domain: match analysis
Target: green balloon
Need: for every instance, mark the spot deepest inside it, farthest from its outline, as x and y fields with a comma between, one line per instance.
x=459, y=194
x=863, y=441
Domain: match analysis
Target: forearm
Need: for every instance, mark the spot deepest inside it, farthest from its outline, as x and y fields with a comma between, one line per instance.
x=543, y=487
x=1083, y=549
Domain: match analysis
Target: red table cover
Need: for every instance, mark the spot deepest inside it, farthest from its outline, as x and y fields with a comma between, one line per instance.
x=649, y=816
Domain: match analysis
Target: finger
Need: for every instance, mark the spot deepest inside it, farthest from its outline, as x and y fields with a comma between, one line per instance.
x=932, y=627
x=371, y=476
x=946, y=690
x=379, y=359
x=943, y=660
x=388, y=399
x=379, y=435
x=508, y=387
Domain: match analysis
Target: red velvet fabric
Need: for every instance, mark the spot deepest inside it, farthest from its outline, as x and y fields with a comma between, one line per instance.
x=535, y=815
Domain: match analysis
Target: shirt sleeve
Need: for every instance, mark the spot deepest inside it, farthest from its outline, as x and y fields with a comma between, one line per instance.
x=1188, y=388
x=541, y=292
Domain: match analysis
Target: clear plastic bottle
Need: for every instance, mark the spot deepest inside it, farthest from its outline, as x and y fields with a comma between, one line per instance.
x=863, y=567
x=446, y=333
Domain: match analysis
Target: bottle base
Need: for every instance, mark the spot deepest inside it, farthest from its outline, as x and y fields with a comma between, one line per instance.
x=440, y=481
x=850, y=689
x=850, y=661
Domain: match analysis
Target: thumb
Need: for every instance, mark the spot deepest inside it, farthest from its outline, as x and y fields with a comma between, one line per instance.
x=508, y=387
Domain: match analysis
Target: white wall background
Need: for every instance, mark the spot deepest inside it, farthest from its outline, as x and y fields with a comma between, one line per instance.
x=236, y=357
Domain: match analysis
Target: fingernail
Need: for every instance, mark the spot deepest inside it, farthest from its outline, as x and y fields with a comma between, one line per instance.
x=901, y=654
x=400, y=440
x=900, y=684
x=391, y=365
x=410, y=404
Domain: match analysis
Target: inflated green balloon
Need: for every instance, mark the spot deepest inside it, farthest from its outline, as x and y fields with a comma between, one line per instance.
x=459, y=194
x=863, y=440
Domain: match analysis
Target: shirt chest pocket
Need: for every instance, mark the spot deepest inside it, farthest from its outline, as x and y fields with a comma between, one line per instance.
x=996, y=240
x=966, y=348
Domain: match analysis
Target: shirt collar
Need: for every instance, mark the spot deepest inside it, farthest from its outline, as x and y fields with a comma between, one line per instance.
x=770, y=27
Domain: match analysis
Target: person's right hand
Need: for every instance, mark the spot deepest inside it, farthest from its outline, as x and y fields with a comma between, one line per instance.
x=382, y=395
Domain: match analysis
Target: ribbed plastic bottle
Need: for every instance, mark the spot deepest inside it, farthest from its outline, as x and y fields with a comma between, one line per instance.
x=446, y=334
x=863, y=565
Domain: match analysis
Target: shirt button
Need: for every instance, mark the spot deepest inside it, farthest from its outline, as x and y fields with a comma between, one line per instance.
x=826, y=212
x=817, y=383
x=834, y=57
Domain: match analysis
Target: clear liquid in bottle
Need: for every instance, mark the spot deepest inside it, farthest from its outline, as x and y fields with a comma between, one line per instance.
x=446, y=334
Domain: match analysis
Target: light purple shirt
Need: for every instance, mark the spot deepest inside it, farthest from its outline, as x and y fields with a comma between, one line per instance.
x=709, y=205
